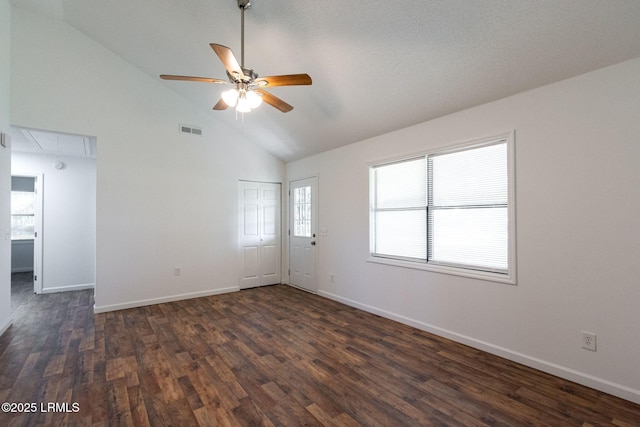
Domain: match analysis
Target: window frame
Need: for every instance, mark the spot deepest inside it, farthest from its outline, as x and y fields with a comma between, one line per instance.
x=508, y=277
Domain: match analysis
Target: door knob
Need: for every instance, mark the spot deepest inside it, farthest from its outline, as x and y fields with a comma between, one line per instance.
x=313, y=243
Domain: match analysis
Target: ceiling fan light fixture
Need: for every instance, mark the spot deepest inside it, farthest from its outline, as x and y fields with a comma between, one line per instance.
x=230, y=97
x=244, y=100
x=248, y=100
x=253, y=99
x=243, y=105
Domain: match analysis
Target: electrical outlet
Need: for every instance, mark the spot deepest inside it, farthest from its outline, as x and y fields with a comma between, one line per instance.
x=332, y=278
x=589, y=341
x=177, y=271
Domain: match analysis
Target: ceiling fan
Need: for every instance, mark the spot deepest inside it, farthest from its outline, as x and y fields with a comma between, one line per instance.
x=248, y=91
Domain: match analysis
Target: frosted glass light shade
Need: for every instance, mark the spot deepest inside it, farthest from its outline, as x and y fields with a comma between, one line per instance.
x=230, y=97
x=253, y=99
x=243, y=104
x=243, y=100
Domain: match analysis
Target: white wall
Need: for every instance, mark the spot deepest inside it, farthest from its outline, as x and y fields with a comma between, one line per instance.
x=69, y=219
x=578, y=204
x=5, y=168
x=163, y=199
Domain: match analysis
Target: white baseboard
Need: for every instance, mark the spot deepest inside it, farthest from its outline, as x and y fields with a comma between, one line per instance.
x=68, y=288
x=600, y=384
x=171, y=298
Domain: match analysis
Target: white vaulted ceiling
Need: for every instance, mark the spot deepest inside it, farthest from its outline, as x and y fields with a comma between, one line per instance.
x=377, y=65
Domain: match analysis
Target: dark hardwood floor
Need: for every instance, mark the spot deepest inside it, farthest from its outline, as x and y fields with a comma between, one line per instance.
x=267, y=356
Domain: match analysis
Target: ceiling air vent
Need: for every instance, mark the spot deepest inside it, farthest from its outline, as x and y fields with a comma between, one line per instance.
x=190, y=129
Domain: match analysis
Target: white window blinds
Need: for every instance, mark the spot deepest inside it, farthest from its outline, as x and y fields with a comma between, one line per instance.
x=399, y=211
x=468, y=196
x=447, y=208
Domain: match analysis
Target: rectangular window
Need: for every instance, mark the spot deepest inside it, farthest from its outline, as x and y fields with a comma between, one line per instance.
x=448, y=211
x=399, y=213
x=302, y=212
x=23, y=209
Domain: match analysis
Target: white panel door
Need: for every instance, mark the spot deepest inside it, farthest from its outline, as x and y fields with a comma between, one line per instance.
x=270, y=239
x=303, y=197
x=259, y=233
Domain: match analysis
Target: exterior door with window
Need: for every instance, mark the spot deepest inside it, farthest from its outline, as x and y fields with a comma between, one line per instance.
x=259, y=233
x=302, y=233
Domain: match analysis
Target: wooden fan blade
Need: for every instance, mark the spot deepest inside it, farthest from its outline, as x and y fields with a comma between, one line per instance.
x=193, y=79
x=221, y=105
x=230, y=62
x=274, y=101
x=285, y=80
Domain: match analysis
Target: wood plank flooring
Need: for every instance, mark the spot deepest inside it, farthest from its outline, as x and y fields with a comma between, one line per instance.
x=272, y=356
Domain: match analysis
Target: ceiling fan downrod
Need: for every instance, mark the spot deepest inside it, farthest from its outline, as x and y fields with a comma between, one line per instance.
x=242, y=4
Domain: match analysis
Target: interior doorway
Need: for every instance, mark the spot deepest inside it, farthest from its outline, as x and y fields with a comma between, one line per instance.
x=63, y=169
